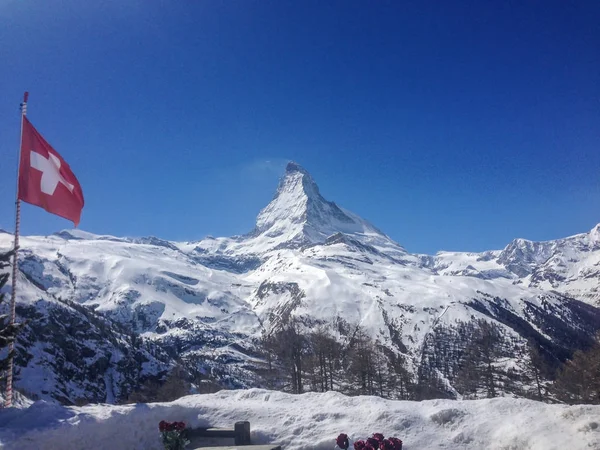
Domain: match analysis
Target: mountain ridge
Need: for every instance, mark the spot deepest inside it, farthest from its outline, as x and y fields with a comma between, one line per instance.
x=310, y=259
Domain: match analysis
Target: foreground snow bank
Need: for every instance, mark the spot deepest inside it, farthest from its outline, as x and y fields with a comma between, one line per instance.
x=309, y=422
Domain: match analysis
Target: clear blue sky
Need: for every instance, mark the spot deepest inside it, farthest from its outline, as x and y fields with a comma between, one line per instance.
x=454, y=125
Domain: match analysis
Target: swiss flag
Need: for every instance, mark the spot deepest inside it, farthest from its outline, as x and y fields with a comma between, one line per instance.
x=45, y=179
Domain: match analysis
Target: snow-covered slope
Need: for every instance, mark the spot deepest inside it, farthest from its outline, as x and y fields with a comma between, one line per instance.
x=70, y=353
x=105, y=314
x=309, y=257
x=310, y=422
x=570, y=265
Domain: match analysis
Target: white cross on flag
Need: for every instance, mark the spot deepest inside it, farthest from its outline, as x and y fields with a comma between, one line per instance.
x=45, y=179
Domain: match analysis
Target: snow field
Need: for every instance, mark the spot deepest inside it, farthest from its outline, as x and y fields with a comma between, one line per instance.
x=310, y=422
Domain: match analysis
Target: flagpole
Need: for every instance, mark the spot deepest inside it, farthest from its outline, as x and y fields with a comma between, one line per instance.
x=13, y=297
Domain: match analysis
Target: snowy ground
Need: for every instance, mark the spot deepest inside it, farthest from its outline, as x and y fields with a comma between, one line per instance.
x=309, y=421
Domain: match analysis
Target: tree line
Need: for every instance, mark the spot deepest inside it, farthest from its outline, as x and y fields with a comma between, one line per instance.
x=333, y=357
x=470, y=360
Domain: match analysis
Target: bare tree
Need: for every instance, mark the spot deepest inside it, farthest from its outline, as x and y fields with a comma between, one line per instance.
x=578, y=381
x=399, y=379
x=359, y=371
x=323, y=360
x=477, y=370
x=176, y=385
x=289, y=346
x=535, y=373
x=367, y=370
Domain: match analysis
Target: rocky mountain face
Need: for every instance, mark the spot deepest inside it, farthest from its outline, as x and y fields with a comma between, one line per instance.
x=106, y=313
x=68, y=352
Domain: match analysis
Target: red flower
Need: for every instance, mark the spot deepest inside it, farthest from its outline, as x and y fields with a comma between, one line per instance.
x=162, y=426
x=386, y=444
x=342, y=441
x=369, y=447
x=359, y=445
x=373, y=443
x=180, y=426
x=397, y=443
x=378, y=436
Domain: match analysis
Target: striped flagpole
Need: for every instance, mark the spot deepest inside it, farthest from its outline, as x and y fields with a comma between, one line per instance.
x=13, y=297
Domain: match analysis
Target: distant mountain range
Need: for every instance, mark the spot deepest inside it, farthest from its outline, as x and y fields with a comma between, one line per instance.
x=105, y=313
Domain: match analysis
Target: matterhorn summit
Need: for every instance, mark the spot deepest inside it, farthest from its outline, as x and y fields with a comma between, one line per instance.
x=299, y=216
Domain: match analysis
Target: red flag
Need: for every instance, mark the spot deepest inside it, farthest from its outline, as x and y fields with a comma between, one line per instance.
x=45, y=179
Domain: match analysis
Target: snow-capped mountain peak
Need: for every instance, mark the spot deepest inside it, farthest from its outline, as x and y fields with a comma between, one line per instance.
x=522, y=256
x=299, y=215
x=296, y=193
x=594, y=235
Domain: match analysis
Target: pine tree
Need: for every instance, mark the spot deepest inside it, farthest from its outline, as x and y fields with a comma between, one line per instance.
x=8, y=332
